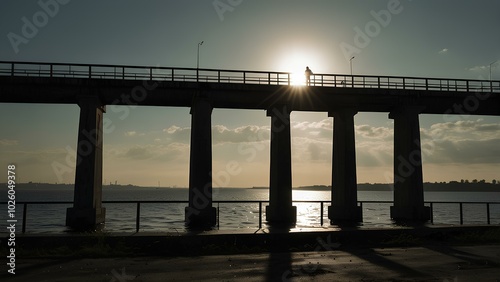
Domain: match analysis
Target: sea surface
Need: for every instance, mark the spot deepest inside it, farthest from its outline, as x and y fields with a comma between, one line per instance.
x=169, y=217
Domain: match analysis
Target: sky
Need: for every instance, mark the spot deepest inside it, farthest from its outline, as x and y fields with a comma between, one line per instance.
x=149, y=146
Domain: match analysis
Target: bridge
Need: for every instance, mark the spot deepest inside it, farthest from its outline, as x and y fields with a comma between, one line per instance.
x=93, y=87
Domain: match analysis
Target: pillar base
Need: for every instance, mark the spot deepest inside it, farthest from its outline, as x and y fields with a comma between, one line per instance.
x=200, y=219
x=409, y=213
x=339, y=215
x=85, y=219
x=281, y=215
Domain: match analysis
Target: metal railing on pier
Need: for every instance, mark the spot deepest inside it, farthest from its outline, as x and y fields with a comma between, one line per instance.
x=322, y=204
x=176, y=74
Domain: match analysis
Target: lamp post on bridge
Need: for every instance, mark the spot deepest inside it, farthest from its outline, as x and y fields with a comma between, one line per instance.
x=198, y=60
x=350, y=62
x=492, y=65
x=491, y=80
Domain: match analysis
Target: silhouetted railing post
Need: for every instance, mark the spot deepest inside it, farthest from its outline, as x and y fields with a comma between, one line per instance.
x=51, y=69
x=288, y=75
x=90, y=71
x=321, y=212
x=432, y=213
x=12, y=69
x=138, y=217
x=260, y=214
x=269, y=78
x=218, y=76
x=150, y=73
x=488, y=213
x=218, y=216
x=244, y=77
x=461, y=214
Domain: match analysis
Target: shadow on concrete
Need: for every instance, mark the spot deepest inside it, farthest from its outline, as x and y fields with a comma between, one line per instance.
x=280, y=257
x=22, y=270
x=379, y=259
x=469, y=259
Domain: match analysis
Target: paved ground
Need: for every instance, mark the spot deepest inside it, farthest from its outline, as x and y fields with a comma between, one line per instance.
x=435, y=263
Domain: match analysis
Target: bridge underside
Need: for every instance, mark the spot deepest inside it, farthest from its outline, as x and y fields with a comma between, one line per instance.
x=243, y=96
x=342, y=104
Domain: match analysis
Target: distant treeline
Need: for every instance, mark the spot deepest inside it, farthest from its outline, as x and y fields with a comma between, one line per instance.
x=475, y=186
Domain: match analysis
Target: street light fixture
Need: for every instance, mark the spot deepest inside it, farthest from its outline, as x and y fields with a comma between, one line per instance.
x=491, y=65
x=350, y=62
x=198, y=61
x=198, y=57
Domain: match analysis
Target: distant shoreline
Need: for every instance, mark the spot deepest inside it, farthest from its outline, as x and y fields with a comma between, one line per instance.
x=432, y=187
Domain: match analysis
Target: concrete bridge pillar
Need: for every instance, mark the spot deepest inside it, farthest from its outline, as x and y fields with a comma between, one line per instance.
x=408, y=180
x=200, y=213
x=87, y=211
x=280, y=210
x=344, y=207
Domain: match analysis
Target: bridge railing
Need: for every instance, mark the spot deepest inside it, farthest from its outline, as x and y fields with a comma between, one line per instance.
x=405, y=83
x=322, y=204
x=121, y=72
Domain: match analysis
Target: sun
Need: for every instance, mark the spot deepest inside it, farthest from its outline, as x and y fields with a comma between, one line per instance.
x=298, y=78
x=295, y=63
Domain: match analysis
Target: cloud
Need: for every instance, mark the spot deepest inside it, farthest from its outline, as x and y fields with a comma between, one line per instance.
x=221, y=134
x=325, y=124
x=37, y=165
x=139, y=152
x=173, y=129
x=462, y=151
x=479, y=68
x=243, y=134
x=130, y=133
x=321, y=130
x=8, y=142
x=443, y=51
x=463, y=130
x=371, y=132
x=466, y=142
x=305, y=149
x=374, y=154
x=178, y=134
x=153, y=152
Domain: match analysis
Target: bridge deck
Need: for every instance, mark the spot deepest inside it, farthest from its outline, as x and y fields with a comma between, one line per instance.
x=26, y=82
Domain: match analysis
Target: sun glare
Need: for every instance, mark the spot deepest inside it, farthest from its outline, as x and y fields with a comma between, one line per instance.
x=295, y=63
x=298, y=78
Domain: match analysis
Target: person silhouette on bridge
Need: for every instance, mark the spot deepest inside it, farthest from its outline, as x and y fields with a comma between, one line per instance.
x=308, y=74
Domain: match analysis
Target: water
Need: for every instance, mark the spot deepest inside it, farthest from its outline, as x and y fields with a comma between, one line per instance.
x=170, y=217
